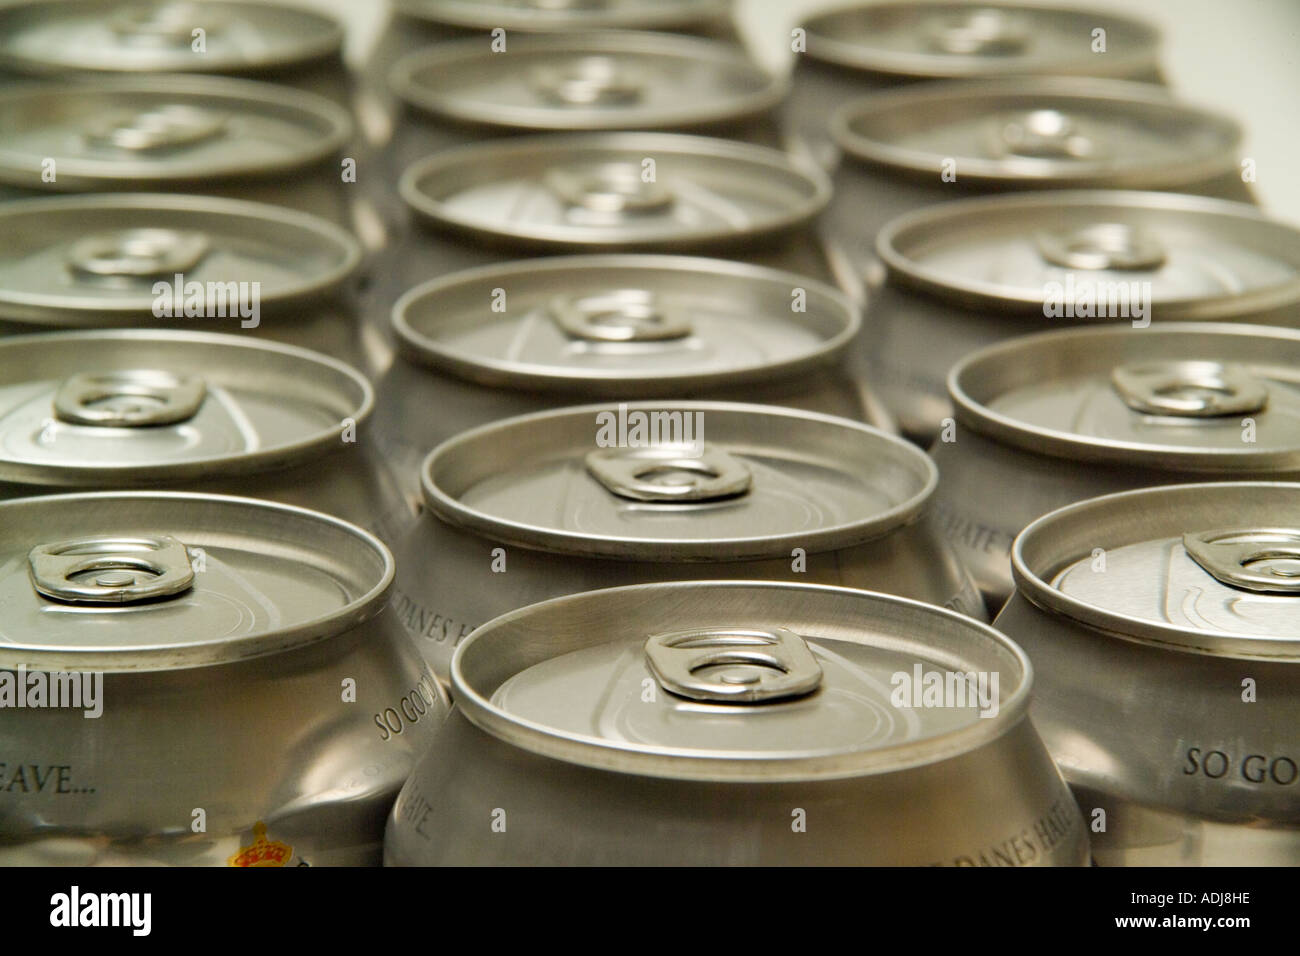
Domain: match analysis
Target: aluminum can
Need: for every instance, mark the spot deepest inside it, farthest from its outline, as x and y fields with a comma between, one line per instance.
x=1046, y=420
x=562, y=501
x=734, y=723
x=966, y=274
x=221, y=640
x=499, y=341
x=1162, y=628
x=191, y=411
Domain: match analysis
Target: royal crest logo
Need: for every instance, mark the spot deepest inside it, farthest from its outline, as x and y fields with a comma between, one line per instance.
x=262, y=852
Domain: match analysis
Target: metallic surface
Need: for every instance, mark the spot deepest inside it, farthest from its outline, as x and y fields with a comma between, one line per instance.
x=560, y=707
x=222, y=705
x=547, y=16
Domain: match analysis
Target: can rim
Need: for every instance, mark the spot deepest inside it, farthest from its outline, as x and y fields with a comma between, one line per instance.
x=514, y=374
x=973, y=413
x=1044, y=542
x=892, y=242
x=330, y=44
x=918, y=97
x=302, y=449
x=469, y=16
x=17, y=168
x=672, y=763
x=437, y=213
x=683, y=116
x=37, y=309
x=445, y=506
x=837, y=52
x=178, y=656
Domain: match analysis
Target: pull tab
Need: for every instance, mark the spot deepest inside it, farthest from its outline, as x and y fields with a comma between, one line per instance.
x=620, y=315
x=1103, y=245
x=736, y=665
x=982, y=32
x=1264, y=559
x=609, y=188
x=1189, y=389
x=589, y=81
x=561, y=5
x=1043, y=134
x=168, y=23
x=111, y=570
x=164, y=127
x=670, y=473
x=138, y=253
x=129, y=398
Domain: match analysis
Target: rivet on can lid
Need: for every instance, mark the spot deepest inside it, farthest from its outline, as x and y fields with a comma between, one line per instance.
x=670, y=473
x=169, y=23
x=130, y=398
x=977, y=32
x=589, y=81
x=609, y=188
x=111, y=570
x=138, y=253
x=1044, y=133
x=1262, y=559
x=1189, y=389
x=758, y=666
x=1102, y=246
x=163, y=127
x=620, y=315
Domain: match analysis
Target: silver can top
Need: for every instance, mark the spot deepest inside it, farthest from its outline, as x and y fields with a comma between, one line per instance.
x=1189, y=397
x=134, y=407
x=629, y=324
x=615, y=190
x=1205, y=569
x=595, y=81
x=148, y=581
x=680, y=481
x=1040, y=132
x=128, y=132
x=95, y=260
x=546, y=16
x=1191, y=257
x=162, y=36
x=937, y=39
x=738, y=681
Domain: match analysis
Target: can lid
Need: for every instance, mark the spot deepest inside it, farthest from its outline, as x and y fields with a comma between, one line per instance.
x=593, y=81
x=630, y=324
x=938, y=39
x=615, y=190
x=94, y=260
x=1060, y=131
x=159, y=36
x=1186, y=397
x=1208, y=569
x=737, y=681
x=148, y=581
x=134, y=407
x=1035, y=253
x=545, y=16
x=680, y=481
x=133, y=131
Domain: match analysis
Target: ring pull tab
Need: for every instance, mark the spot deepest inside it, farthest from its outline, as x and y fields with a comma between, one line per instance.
x=1261, y=559
x=1104, y=245
x=138, y=253
x=620, y=315
x=1043, y=134
x=101, y=570
x=615, y=188
x=670, y=472
x=589, y=81
x=165, y=127
x=563, y=5
x=735, y=665
x=1189, y=389
x=129, y=398
x=163, y=23
x=978, y=32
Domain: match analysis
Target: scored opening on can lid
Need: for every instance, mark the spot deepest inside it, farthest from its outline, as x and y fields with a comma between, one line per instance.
x=261, y=578
x=94, y=260
x=545, y=16
x=1187, y=397
x=1059, y=131
x=133, y=131
x=615, y=190
x=1035, y=253
x=159, y=36
x=941, y=39
x=134, y=407
x=597, y=679
x=662, y=481
x=595, y=81
x=625, y=324
x=1204, y=568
